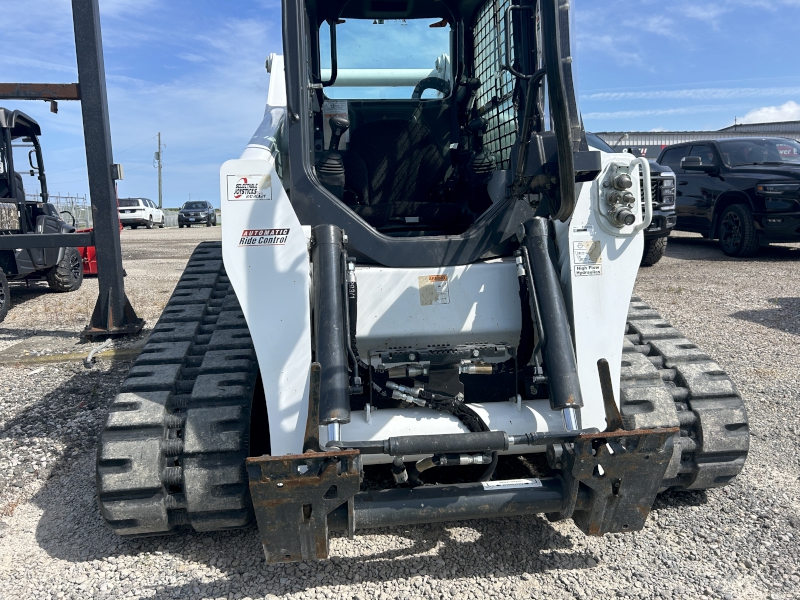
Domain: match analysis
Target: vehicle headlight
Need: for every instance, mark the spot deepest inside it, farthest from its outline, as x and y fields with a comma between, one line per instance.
x=668, y=183
x=667, y=199
x=776, y=189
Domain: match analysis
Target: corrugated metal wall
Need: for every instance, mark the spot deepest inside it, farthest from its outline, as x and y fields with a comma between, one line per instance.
x=650, y=143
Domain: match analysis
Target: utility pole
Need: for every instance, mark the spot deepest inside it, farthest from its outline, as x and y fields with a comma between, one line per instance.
x=158, y=160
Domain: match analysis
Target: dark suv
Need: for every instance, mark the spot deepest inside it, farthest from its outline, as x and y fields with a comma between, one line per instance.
x=197, y=212
x=743, y=191
x=662, y=180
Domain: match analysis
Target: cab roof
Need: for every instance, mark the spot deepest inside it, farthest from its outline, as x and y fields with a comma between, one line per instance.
x=393, y=9
x=20, y=124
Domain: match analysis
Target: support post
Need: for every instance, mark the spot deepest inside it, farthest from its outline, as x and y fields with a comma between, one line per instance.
x=113, y=313
x=158, y=155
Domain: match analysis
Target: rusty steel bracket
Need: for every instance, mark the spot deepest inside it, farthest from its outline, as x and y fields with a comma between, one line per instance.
x=293, y=495
x=619, y=474
x=611, y=478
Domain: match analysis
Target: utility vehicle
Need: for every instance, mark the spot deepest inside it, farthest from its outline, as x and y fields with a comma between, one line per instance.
x=62, y=268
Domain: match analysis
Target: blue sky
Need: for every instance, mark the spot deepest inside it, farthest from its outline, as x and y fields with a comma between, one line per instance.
x=194, y=70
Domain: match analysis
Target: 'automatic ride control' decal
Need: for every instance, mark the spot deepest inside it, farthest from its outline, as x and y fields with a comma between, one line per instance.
x=264, y=237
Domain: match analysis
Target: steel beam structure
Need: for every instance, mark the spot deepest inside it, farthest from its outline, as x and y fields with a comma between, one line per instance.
x=45, y=240
x=113, y=314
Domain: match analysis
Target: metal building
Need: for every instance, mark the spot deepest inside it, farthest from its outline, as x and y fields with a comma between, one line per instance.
x=650, y=143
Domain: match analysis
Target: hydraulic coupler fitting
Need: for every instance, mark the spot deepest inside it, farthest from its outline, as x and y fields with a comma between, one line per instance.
x=470, y=368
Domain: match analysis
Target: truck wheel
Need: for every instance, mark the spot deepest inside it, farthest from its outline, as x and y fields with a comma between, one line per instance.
x=737, y=232
x=163, y=222
x=208, y=222
x=653, y=251
x=134, y=226
x=5, y=296
x=66, y=276
x=149, y=223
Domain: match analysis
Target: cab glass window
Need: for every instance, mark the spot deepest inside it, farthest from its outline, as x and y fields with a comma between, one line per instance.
x=672, y=158
x=705, y=153
x=760, y=151
x=387, y=58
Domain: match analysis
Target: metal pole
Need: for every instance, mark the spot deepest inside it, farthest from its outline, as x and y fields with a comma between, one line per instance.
x=113, y=313
x=159, y=169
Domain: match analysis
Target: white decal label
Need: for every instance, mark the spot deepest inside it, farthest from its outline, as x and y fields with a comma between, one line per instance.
x=512, y=484
x=250, y=187
x=588, y=270
x=433, y=289
x=264, y=237
x=587, y=253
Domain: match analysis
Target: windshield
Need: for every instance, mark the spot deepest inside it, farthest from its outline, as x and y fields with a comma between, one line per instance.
x=194, y=205
x=596, y=143
x=386, y=58
x=128, y=202
x=760, y=151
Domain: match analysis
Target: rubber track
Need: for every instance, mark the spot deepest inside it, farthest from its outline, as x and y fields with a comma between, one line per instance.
x=172, y=452
x=668, y=381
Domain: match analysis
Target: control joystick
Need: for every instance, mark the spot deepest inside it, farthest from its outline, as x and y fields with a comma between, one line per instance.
x=330, y=168
x=339, y=125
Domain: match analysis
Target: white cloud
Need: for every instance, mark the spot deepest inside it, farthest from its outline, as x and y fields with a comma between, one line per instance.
x=790, y=111
x=657, y=24
x=656, y=112
x=191, y=57
x=697, y=94
x=704, y=12
x=618, y=48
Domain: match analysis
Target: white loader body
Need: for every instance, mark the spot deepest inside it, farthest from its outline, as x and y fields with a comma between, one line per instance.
x=267, y=258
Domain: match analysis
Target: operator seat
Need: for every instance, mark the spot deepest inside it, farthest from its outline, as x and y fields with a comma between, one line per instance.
x=391, y=168
x=5, y=190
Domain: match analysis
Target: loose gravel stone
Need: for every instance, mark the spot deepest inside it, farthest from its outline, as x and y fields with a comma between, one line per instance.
x=735, y=542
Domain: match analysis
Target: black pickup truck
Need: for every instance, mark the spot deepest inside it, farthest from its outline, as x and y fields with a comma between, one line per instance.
x=662, y=180
x=745, y=192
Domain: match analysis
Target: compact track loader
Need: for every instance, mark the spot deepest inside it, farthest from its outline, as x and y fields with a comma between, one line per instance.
x=421, y=307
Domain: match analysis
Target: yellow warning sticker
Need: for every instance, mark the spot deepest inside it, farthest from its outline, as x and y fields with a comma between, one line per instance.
x=433, y=289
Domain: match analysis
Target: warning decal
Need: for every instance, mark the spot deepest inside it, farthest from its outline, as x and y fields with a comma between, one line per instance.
x=433, y=289
x=250, y=187
x=587, y=253
x=264, y=237
x=587, y=257
x=510, y=484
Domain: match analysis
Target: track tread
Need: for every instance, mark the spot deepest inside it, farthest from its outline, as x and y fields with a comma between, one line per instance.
x=172, y=451
x=715, y=435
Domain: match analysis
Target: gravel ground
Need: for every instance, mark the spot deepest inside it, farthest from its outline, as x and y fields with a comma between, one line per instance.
x=736, y=542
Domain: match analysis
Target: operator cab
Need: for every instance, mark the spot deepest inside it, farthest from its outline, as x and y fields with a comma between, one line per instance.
x=18, y=130
x=414, y=110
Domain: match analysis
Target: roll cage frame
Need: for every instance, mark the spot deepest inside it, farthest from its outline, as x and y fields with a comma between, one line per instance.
x=494, y=232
